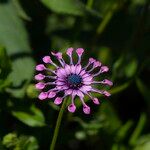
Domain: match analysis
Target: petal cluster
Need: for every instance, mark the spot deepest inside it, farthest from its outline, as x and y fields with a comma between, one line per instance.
x=71, y=79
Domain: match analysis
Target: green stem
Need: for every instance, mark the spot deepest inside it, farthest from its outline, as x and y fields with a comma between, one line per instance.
x=106, y=19
x=89, y=3
x=56, y=131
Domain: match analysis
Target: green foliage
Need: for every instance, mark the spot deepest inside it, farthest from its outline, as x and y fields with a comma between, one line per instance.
x=112, y=31
x=73, y=7
x=34, y=117
x=22, y=142
x=14, y=38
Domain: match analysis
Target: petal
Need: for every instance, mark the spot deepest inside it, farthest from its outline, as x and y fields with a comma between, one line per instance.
x=40, y=85
x=39, y=76
x=104, y=69
x=58, y=100
x=106, y=93
x=67, y=69
x=40, y=67
x=69, y=51
x=68, y=92
x=59, y=83
x=97, y=64
x=92, y=60
x=85, y=75
x=71, y=108
x=58, y=55
x=88, y=79
x=60, y=87
x=80, y=94
x=85, y=88
x=86, y=109
x=96, y=101
x=87, y=82
x=73, y=69
x=42, y=95
x=47, y=59
x=82, y=73
x=61, y=73
x=108, y=82
x=74, y=93
x=78, y=69
x=80, y=51
x=51, y=94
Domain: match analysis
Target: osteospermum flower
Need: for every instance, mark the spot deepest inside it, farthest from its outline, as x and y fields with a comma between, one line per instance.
x=71, y=79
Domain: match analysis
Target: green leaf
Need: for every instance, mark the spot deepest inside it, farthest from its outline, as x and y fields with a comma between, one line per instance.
x=119, y=88
x=123, y=131
x=72, y=7
x=110, y=117
x=138, y=130
x=131, y=67
x=15, y=39
x=5, y=65
x=144, y=90
x=28, y=143
x=104, y=54
x=34, y=118
x=20, y=10
x=143, y=143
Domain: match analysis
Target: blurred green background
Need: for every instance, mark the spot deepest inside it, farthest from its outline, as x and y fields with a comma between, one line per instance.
x=116, y=32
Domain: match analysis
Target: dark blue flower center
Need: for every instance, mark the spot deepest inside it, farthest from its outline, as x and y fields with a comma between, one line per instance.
x=74, y=80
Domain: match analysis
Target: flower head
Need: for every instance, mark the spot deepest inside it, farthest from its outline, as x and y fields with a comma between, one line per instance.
x=71, y=79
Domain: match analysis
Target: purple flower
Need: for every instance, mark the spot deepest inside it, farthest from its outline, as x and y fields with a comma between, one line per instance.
x=71, y=79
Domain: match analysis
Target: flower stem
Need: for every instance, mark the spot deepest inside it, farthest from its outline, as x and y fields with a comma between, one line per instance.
x=56, y=131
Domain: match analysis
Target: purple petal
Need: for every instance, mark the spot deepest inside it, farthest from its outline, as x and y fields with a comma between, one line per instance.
x=59, y=83
x=85, y=88
x=96, y=101
x=80, y=94
x=104, y=69
x=61, y=73
x=73, y=69
x=47, y=59
x=106, y=93
x=40, y=67
x=51, y=94
x=39, y=76
x=82, y=73
x=108, y=82
x=88, y=79
x=92, y=60
x=80, y=51
x=58, y=55
x=68, y=92
x=42, y=95
x=63, y=87
x=69, y=51
x=86, y=109
x=58, y=100
x=40, y=85
x=78, y=69
x=71, y=108
x=97, y=64
x=67, y=69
